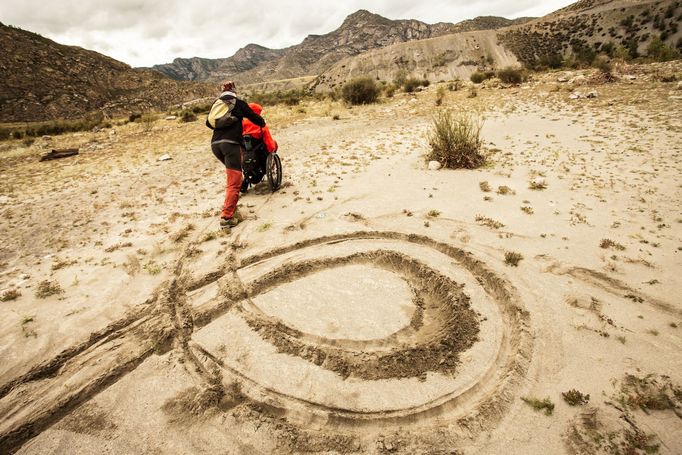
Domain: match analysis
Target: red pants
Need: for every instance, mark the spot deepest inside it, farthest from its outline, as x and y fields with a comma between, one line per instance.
x=231, y=156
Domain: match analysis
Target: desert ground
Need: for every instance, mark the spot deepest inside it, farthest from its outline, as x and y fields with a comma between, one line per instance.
x=371, y=305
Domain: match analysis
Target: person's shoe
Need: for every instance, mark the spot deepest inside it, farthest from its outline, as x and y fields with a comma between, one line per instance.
x=245, y=186
x=228, y=223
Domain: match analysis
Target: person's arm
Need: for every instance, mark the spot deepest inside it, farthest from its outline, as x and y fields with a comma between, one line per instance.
x=247, y=112
x=270, y=143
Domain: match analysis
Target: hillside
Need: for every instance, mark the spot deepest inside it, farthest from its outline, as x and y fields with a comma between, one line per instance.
x=586, y=25
x=44, y=80
x=360, y=32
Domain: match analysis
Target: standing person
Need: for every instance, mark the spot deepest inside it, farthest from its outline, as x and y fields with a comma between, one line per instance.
x=225, y=119
x=264, y=144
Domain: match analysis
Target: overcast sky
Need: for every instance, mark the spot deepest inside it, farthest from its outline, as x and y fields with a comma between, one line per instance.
x=144, y=33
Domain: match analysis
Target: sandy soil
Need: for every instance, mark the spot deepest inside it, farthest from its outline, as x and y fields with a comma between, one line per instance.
x=366, y=307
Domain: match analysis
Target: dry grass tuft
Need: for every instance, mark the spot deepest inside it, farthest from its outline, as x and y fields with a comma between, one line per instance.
x=455, y=140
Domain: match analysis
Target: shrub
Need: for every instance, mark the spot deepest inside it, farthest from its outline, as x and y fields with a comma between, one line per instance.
x=440, y=95
x=544, y=405
x=363, y=90
x=187, y=116
x=661, y=52
x=455, y=140
x=411, y=85
x=400, y=78
x=553, y=61
x=389, y=90
x=288, y=97
x=455, y=86
x=512, y=258
x=479, y=77
x=511, y=75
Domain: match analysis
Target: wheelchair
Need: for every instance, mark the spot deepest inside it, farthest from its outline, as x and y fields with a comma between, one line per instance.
x=258, y=163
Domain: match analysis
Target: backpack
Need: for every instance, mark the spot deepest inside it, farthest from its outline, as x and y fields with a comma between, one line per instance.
x=220, y=115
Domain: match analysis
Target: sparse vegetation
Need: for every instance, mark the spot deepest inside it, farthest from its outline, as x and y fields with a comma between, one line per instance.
x=537, y=184
x=527, y=209
x=455, y=140
x=363, y=90
x=9, y=294
x=152, y=268
x=433, y=213
x=661, y=52
x=47, y=288
x=504, y=189
x=286, y=97
x=485, y=221
x=608, y=243
x=544, y=405
x=187, y=116
x=440, y=95
x=512, y=75
x=512, y=258
x=264, y=227
x=485, y=186
x=479, y=77
x=575, y=398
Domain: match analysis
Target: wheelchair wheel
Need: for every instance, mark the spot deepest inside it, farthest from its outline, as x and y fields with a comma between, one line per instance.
x=273, y=167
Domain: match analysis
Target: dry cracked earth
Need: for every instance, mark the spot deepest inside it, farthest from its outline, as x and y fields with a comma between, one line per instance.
x=370, y=305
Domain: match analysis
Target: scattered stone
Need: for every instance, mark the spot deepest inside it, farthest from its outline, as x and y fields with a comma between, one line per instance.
x=171, y=117
x=679, y=85
x=629, y=77
x=413, y=101
x=165, y=157
x=434, y=165
x=592, y=94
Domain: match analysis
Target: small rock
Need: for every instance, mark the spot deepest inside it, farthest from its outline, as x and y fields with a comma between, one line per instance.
x=434, y=165
x=679, y=85
x=579, y=79
x=629, y=77
x=562, y=79
x=171, y=117
x=165, y=157
x=575, y=96
x=592, y=94
x=413, y=101
x=389, y=446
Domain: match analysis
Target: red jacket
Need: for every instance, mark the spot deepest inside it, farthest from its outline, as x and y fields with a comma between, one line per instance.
x=255, y=131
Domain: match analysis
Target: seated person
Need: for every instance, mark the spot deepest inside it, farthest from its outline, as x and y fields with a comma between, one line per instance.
x=258, y=142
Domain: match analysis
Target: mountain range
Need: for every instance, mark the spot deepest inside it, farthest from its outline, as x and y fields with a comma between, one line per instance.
x=45, y=80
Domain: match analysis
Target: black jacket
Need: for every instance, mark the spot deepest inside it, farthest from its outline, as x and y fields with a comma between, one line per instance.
x=233, y=131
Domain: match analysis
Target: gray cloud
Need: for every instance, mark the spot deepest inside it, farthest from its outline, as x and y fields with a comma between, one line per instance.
x=143, y=33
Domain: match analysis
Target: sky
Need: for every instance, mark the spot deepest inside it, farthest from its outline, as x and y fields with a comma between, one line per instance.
x=149, y=32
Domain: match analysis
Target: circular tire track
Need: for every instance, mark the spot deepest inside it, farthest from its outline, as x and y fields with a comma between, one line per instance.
x=450, y=326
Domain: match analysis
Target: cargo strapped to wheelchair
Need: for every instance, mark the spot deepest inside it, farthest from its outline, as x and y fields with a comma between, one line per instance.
x=253, y=164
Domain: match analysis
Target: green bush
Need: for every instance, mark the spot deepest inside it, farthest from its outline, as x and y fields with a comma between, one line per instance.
x=455, y=140
x=400, y=78
x=187, y=115
x=362, y=90
x=553, y=61
x=478, y=77
x=288, y=97
x=660, y=51
x=411, y=84
x=512, y=75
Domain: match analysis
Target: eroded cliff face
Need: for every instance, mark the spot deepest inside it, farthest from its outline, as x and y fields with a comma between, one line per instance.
x=443, y=58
